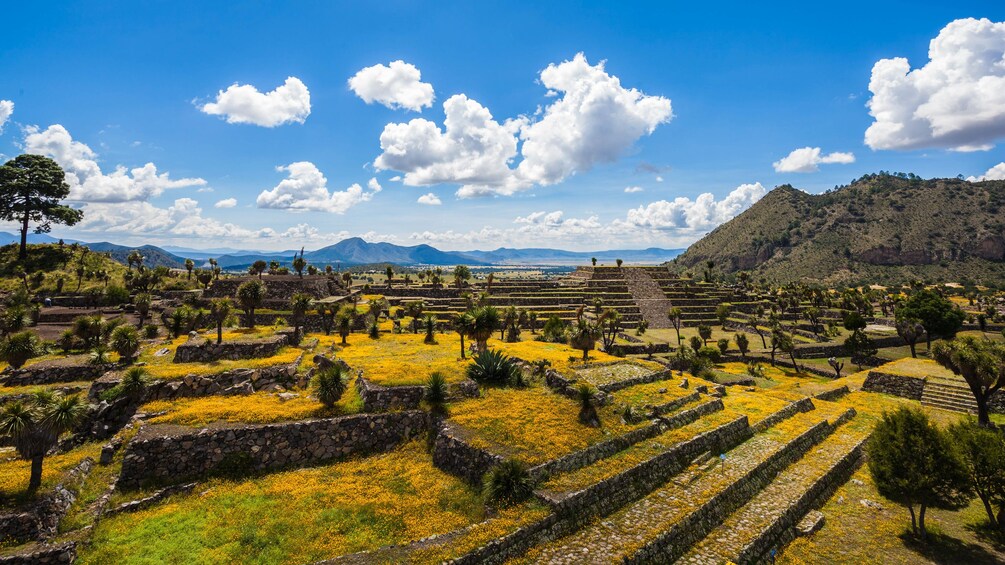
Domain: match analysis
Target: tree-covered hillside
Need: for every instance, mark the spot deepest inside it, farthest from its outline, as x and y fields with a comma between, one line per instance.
x=880, y=229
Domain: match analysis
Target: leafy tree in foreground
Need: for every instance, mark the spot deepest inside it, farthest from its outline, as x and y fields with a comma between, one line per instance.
x=34, y=427
x=31, y=187
x=486, y=321
x=913, y=462
x=981, y=363
x=983, y=453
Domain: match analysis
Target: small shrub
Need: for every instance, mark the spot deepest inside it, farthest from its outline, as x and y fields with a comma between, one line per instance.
x=16, y=349
x=99, y=356
x=723, y=345
x=587, y=396
x=711, y=353
x=150, y=331
x=374, y=330
x=494, y=368
x=125, y=340
x=756, y=370
x=329, y=384
x=116, y=295
x=436, y=390
x=507, y=483
x=133, y=384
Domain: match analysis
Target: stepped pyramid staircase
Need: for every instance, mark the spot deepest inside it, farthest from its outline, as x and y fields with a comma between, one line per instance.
x=649, y=297
x=666, y=495
x=949, y=393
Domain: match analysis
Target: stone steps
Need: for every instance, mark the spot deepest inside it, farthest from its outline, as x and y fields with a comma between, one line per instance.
x=949, y=394
x=663, y=524
x=768, y=519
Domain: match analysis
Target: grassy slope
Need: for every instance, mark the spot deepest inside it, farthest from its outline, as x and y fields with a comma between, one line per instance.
x=56, y=262
x=849, y=235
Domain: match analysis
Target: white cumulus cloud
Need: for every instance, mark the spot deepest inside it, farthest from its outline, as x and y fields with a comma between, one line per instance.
x=87, y=182
x=397, y=85
x=701, y=214
x=956, y=100
x=244, y=104
x=226, y=203
x=430, y=199
x=592, y=119
x=809, y=159
x=306, y=189
x=994, y=173
x=183, y=219
x=6, y=109
x=633, y=189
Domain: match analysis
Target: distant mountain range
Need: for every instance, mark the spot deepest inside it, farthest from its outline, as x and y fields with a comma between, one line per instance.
x=356, y=251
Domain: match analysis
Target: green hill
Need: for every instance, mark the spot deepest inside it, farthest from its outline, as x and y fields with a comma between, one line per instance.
x=880, y=229
x=48, y=263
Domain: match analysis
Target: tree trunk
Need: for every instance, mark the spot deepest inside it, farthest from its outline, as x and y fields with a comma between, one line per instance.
x=1001, y=519
x=586, y=355
x=23, y=251
x=913, y=352
x=219, y=333
x=764, y=344
x=462, y=346
x=795, y=365
x=928, y=342
x=983, y=419
x=251, y=318
x=921, y=522
x=987, y=508
x=914, y=521
x=36, y=473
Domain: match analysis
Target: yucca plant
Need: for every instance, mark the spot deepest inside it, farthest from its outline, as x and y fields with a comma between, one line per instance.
x=429, y=322
x=99, y=356
x=125, y=340
x=507, y=483
x=494, y=368
x=16, y=349
x=374, y=330
x=587, y=397
x=436, y=391
x=329, y=384
x=34, y=426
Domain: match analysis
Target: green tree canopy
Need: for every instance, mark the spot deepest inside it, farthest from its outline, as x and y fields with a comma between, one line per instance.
x=31, y=187
x=937, y=314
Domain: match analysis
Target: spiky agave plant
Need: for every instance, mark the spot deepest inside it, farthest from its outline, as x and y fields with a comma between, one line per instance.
x=494, y=368
x=134, y=382
x=436, y=391
x=329, y=384
x=507, y=483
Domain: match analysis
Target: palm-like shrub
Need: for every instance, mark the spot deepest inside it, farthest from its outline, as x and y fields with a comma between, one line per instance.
x=88, y=329
x=329, y=384
x=133, y=384
x=507, y=483
x=584, y=337
x=14, y=319
x=429, y=322
x=344, y=320
x=99, y=356
x=374, y=329
x=142, y=305
x=219, y=310
x=300, y=303
x=125, y=340
x=34, y=426
x=486, y=321
x=587, y=397
x=436, y=390
x=494, y=368
x=250, y=296
x=463, y=324
x=16, y=349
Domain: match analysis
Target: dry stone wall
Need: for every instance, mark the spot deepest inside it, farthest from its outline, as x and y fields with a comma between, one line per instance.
x=203, y=350
x=168, y=454
x=60, y=554
x=897, y=385
x=55, y=372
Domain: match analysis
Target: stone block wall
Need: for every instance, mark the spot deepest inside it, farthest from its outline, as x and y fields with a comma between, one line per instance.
x=46, y=373
x=793, y=408
x=167, y=454
x=203, y=350
x=60, y=554
x=377, y=398
x=897, y=385
x=40, y=520
x=451, y=453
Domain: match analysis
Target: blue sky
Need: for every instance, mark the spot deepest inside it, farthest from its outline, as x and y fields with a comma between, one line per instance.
x=747, y=85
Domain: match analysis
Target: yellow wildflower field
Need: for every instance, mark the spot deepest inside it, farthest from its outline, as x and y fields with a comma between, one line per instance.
x=258, y=408
x=402, y=359
x=297, y=516
x=162, y=367
x=532, y=424
x=14, y=472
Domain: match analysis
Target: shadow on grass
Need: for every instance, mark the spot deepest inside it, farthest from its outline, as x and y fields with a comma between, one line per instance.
x=988, y=533
x=941, y=548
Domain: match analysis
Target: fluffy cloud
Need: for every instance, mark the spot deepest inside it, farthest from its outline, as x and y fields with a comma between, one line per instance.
x=226, y=203
x=6, y=109
x=956, y=100
x=430, y=199
x=472, y=150
x=306, y=189
x=633, y=189
x=595, y=120
x=701, y=214
x=87, y=182
x=183, y=219
x=397, y=85
x=994, y=173
x=244, y=104
x=592, y=120
x=809, y=159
